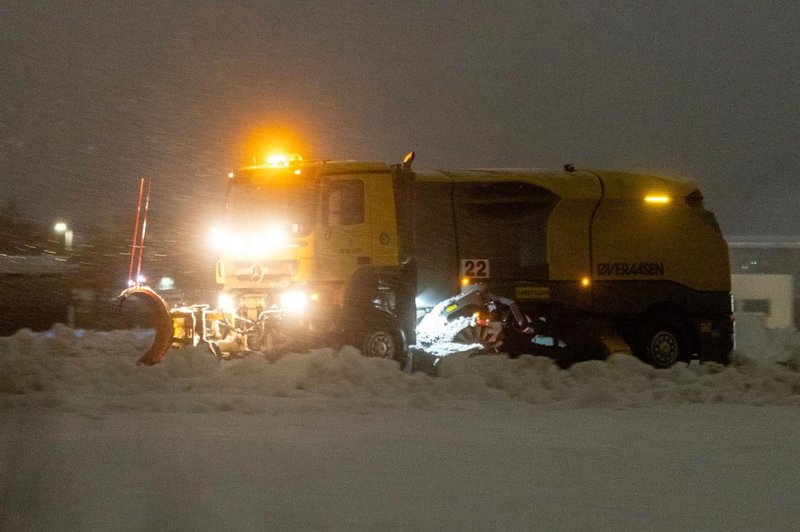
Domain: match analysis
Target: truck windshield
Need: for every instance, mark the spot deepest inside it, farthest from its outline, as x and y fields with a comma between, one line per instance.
x=292, y=205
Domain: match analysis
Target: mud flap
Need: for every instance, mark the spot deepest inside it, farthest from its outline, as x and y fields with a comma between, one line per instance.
x=162, y=321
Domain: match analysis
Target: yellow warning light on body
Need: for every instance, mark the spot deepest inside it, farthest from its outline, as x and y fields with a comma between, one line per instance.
x=465, y=281
x=657, y=199
x=585, y=282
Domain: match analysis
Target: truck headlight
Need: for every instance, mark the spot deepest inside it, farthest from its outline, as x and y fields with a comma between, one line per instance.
x=294, y=301
x=276, y=237
x=226, y=303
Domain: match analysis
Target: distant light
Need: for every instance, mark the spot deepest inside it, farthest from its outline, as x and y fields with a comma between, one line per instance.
x=660, y=200
x=465, y=281
x=166, y=283
x=63, y=228
x=585, y=281
x=231, y=175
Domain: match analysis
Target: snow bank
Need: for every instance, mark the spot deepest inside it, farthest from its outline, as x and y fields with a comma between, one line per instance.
x=92, y=372
x=762, y=344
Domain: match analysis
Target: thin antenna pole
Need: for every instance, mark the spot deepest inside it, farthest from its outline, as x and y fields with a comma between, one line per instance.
x=135, y=231
x=144, y=228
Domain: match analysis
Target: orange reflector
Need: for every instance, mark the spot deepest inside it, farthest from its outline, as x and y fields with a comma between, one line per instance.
x=660, y=200
x=585, y=281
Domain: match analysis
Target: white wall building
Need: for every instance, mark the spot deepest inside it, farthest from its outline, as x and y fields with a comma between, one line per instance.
x=770, y=296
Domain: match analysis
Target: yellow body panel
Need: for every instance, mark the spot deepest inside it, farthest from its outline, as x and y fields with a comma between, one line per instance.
x=630, y=234
x=632, y=239
x=382, y=219
x=669, y=241
x=568, y=226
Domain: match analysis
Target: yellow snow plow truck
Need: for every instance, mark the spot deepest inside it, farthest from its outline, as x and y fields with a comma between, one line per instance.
x=571, y=263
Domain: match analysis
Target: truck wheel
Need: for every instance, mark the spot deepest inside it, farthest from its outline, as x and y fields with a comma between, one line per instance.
x=663, y=341
x=381, y=343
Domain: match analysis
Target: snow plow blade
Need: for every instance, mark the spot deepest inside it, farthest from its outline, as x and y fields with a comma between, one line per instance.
x=162, y=321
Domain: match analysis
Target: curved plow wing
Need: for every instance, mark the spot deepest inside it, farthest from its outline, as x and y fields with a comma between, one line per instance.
x=162, y=321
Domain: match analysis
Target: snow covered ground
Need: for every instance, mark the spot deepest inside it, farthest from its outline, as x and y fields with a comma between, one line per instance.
x=331, y=440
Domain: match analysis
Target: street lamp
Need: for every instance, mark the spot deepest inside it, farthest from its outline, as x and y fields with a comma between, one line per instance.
x=62, y=227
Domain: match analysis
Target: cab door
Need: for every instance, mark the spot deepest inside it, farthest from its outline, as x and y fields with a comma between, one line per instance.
x=345, y=237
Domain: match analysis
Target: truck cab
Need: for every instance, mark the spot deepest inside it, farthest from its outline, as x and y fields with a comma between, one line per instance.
x=316, y=241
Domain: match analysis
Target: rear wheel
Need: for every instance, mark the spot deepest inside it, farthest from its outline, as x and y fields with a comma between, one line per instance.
x=663, y=341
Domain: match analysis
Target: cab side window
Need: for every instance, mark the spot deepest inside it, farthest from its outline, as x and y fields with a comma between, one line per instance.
x=345, y=203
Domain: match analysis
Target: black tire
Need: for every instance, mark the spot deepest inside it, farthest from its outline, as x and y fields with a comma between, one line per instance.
x=383, y=343
x=663, y=341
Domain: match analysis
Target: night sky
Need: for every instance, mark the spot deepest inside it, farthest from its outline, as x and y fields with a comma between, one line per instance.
x=96, y=94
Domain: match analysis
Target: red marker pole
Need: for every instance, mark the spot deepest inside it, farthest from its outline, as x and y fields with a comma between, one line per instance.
x=135, y=232
x=144, y=229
